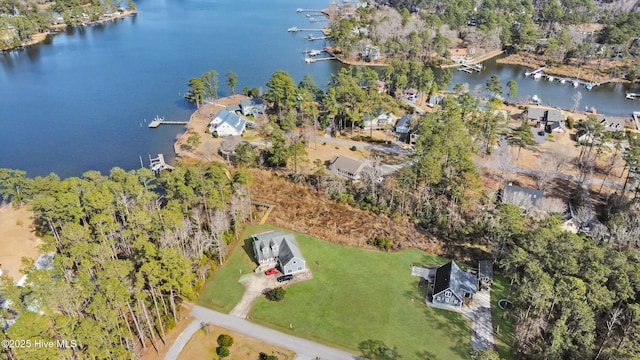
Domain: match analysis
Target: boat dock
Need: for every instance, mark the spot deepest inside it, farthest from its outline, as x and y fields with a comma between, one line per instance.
x=310, y=60
x=636, y=118
x=313, y=38
x=313, y=52
x=470, y=68
x=161, y=121
x=632, y=96
x=158, y=164
x=295, y=29
x=300, y=10
x=534, y=72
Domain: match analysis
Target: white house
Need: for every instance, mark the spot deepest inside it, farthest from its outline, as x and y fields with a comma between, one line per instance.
x=227, y=123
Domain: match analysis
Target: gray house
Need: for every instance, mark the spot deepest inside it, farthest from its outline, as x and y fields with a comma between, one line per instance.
x=453, y=285
x=347, y=167
x=277, y=248
x=252, y=106
x=403, y=128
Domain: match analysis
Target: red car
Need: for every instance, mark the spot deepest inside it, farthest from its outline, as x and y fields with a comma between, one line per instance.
x=271, y=271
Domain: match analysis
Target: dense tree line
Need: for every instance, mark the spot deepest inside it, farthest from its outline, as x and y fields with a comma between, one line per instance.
x=22, y=19
x=129, y=248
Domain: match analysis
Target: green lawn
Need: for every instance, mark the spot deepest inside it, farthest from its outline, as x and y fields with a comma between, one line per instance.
x=223, y=291
x=358, y=295
x=355, y=295
x=504, y=339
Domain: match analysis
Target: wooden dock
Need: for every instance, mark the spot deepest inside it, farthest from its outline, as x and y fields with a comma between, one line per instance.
x=310, y=60
x=636, y=119
x=161, y=121
x=313, y=38
x=470, y=68
x=296, y=29
x=529, y=73
x=300, y=10
x=158, y=164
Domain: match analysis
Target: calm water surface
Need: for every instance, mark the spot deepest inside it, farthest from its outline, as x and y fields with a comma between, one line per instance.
x=79, y=101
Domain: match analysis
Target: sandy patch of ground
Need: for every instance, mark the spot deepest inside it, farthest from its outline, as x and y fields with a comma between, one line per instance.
x=202, y=346
x=17, y=239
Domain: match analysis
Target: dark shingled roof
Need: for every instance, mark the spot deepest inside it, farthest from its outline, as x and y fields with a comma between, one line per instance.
x=452, y=277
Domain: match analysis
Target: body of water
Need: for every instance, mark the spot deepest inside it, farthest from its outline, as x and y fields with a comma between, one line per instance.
x=79, y=101
x=606, y=99
x=82, y=100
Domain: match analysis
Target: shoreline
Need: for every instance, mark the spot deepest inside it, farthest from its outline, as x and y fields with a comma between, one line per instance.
x=567, y=71
x=57, y=28
x=487, y=56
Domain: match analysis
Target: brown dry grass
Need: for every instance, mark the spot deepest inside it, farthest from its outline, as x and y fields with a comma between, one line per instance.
x=202, y=346
x=595, y=70
x=17, y=239
x=299, y=208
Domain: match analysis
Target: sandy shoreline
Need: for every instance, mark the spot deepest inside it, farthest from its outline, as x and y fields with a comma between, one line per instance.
x=585, y=73
x=40, y=37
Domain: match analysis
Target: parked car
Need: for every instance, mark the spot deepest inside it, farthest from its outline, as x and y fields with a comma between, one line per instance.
x=284, y=278
x=272, y=271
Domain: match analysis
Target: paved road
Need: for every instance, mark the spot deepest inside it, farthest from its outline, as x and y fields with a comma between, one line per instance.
x=182, y=340
x=305, y=349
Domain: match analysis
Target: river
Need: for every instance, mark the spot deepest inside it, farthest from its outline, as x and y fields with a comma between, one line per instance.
x=606, y=99
x=81, y=100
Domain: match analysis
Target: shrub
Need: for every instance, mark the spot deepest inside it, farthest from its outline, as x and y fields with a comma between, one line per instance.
x=383, y=243
x=570, y=122
x=222, y=351
x=353, y=148
x=225, y=340
x=276, y=294
x=264, y=356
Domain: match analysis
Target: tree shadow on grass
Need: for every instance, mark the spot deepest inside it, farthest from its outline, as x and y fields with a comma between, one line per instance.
x=456, y=327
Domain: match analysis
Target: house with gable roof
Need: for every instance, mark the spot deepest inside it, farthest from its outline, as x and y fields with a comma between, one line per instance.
x=452, y=285
x=252, y=106
x=278, y=248
x=347, y=167
x=227, y=123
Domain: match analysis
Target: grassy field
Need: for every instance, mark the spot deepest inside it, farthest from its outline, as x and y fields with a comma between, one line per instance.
x=223, y=291
x=355, y=295
x=202, y=346
x=358, y=295
x=504, y=339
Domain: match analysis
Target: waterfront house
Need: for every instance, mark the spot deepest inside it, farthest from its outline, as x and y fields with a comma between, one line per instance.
x=554, y=127
x=537, y=116
x=276, y=248
x=612, y=123
x=452, y=286
x=347, y=167
x=227, y=123
x=252, y=106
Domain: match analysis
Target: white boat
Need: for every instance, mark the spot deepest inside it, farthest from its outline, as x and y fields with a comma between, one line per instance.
x=630, y=96
x=562, y=81
x=537, y=75
x=550, y=78
x=292, y=29
x=299, y=10
x=315, y=52
x=535, y=99
x=575, y=83
x=309, y=60
x=589, y=86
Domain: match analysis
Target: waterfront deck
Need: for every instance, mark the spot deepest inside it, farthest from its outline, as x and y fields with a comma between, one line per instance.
x=310, y=60
x=161, y=121
x=470, y=68
x=158, y=164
